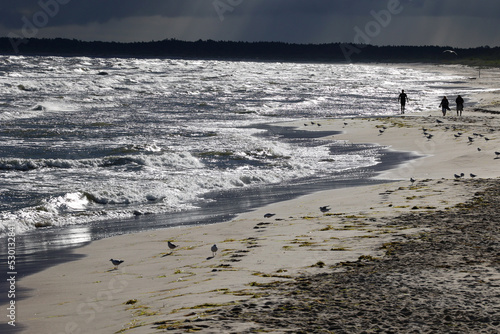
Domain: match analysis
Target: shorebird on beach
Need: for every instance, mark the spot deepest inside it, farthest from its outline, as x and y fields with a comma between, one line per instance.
x=116, y=263
x=412, y=180
x=473, y=175
x=214, y=250
x=269, y=215
x=325, y=208
x=439, y=121
x=171, y=245
x=497, y=154
x=457, y=176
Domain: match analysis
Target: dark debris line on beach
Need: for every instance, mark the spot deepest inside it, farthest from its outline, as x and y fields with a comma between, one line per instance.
x=441, y=281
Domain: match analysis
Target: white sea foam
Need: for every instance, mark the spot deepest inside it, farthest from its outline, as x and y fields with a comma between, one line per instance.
x=158, y=135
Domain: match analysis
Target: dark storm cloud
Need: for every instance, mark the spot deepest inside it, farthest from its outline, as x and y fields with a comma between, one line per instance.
x=89, y=11
x=303, y=21
x=86, y=11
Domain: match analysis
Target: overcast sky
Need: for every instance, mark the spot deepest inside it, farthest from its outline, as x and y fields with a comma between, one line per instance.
x=456, y=23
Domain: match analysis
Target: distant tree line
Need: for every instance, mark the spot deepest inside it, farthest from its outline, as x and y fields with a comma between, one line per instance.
x=264, y=51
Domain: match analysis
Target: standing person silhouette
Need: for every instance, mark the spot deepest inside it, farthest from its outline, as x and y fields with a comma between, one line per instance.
x=403, y=98
x=460, y=105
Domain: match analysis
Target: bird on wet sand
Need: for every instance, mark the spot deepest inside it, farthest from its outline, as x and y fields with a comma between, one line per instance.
x=497, y=154
x=172, y=246
x=412, y=180
x=325, y=208
x=116, y=263
x=214, y=250
x=473, y=175
x=269, y=215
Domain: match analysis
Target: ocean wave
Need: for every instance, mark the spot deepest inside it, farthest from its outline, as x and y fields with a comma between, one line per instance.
x=79, y=147
x=31, y=164
x=167, y=160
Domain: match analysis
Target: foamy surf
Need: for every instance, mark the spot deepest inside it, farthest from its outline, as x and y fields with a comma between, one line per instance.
x=155, y=136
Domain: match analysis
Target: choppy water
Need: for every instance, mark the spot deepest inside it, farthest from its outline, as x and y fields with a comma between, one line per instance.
x=89, y=139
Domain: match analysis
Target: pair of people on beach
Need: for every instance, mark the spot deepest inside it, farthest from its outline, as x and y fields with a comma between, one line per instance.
x=445, y=105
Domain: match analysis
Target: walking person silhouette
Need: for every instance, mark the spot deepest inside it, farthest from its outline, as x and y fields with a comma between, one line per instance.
x=403, y=98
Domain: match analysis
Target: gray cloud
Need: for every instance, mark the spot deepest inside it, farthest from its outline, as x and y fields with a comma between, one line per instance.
x=449, y=22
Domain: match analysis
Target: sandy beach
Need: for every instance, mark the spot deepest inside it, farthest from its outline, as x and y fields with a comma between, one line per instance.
x=307, y=271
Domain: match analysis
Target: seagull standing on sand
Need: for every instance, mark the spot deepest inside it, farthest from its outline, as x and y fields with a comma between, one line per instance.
x=214, y=249
x=116, y=263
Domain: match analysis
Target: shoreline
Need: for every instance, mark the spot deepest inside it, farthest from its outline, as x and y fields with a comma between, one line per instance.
x=188, y=283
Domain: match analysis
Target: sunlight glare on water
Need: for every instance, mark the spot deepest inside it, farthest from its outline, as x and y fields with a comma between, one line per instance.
x=87, y=139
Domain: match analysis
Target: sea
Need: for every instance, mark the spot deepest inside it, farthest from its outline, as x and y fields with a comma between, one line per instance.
x=96, y=147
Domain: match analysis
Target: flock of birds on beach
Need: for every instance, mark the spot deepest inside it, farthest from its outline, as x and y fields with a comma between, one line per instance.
x=326, y=208
x=470, y=139
x=214, y=247
x=312, y=123
x=171, y=246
